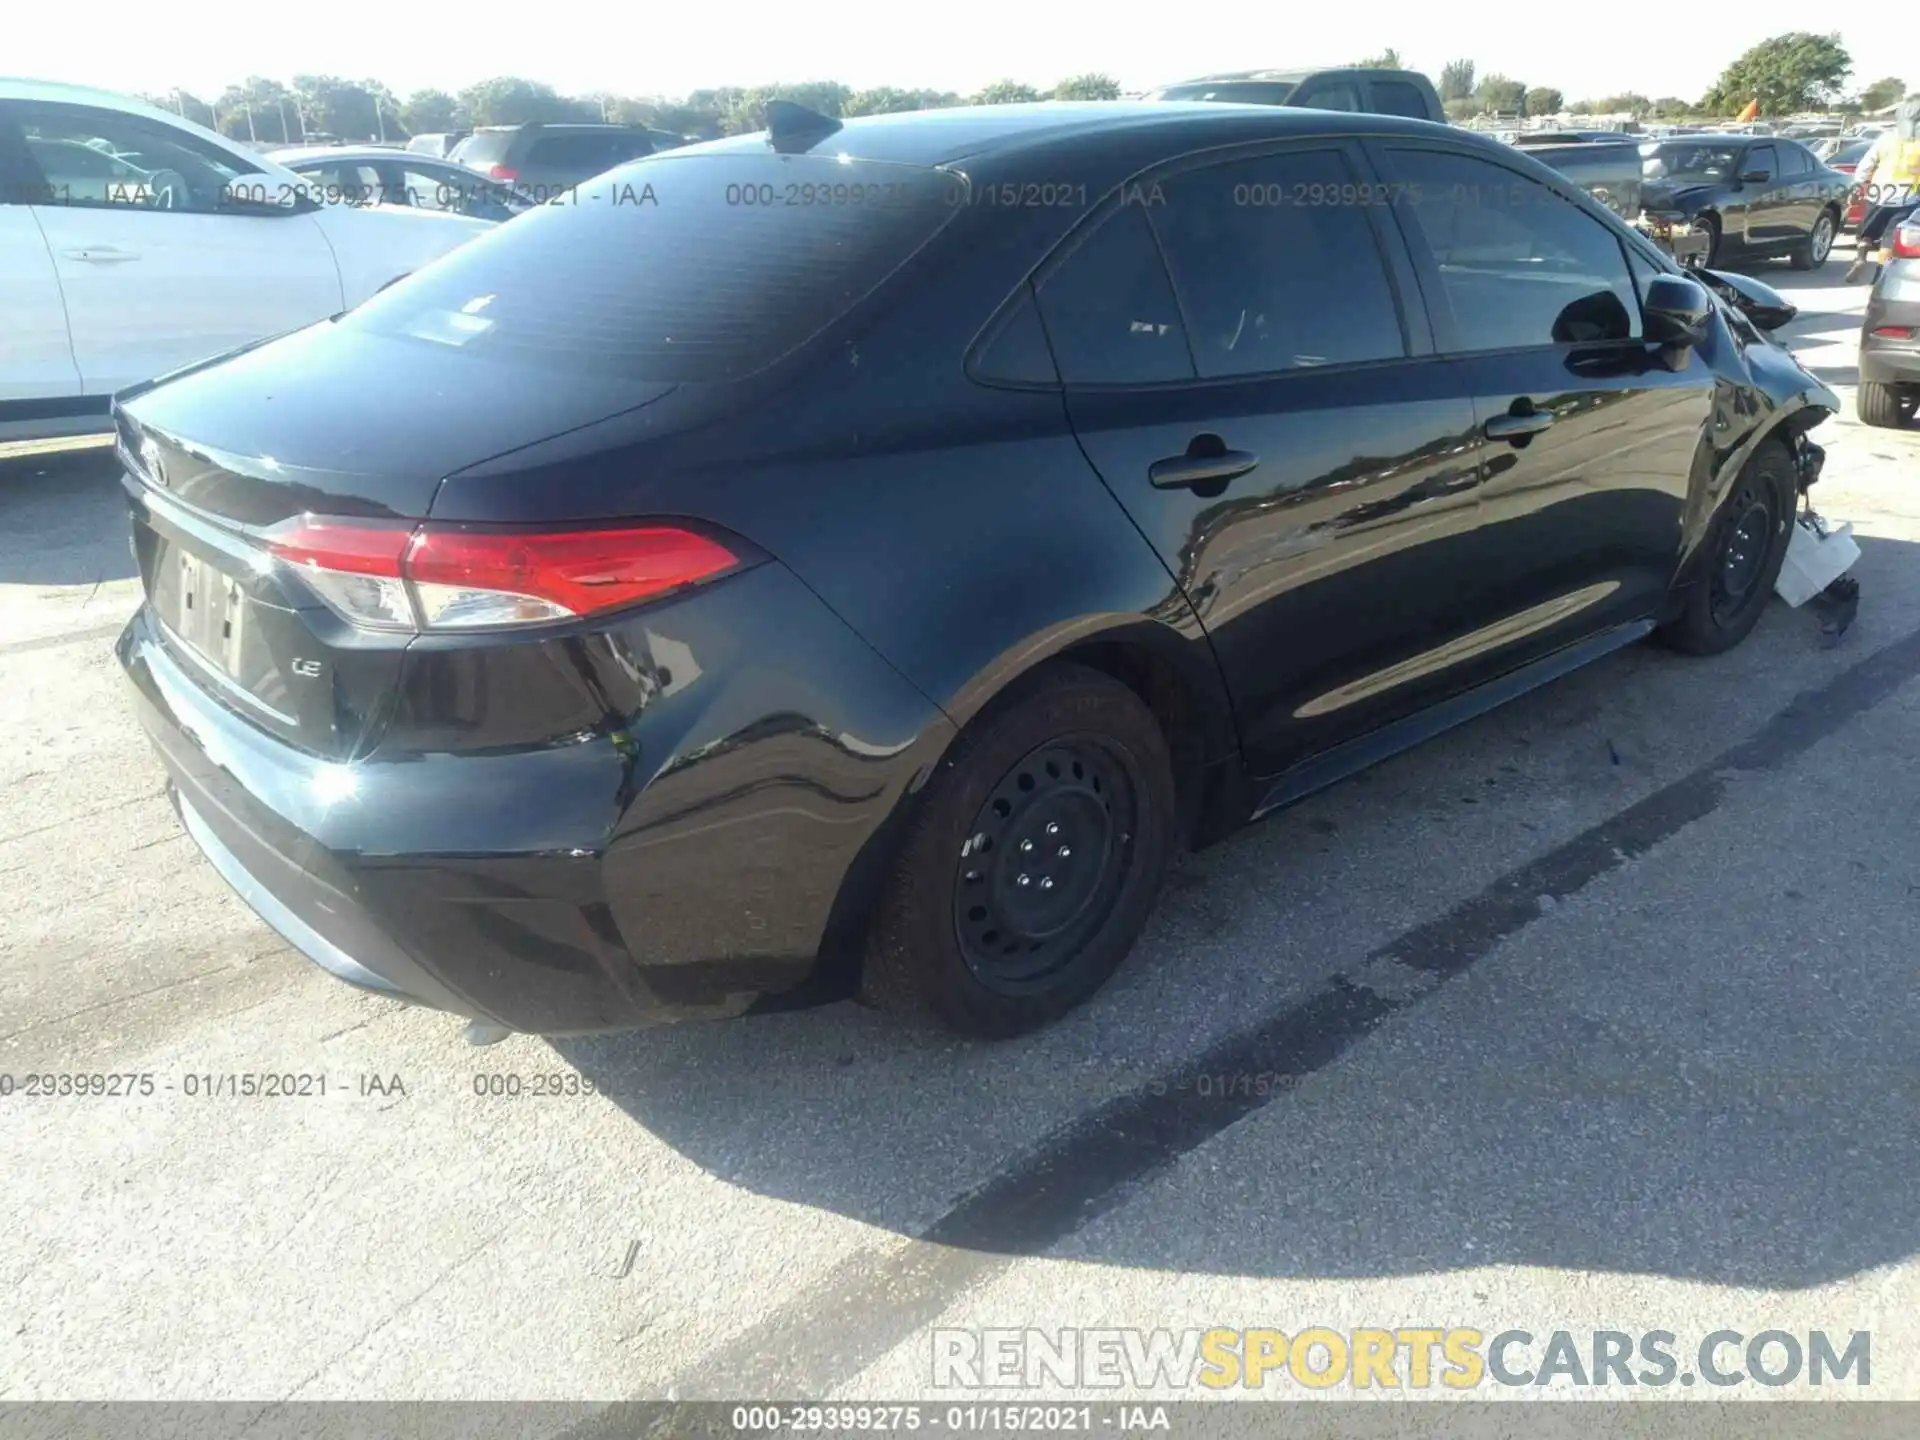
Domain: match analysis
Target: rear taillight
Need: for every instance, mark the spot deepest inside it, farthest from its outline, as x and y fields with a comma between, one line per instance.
x=503, y=172
x=1906, y=242
x=1894, y=332
x=400, y=576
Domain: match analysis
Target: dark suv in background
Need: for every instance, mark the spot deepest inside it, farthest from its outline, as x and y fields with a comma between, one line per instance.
x=541, y=158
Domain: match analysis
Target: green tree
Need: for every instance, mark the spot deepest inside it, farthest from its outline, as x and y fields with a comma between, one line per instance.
x=1006, y=92
x=1630, y=103
x=1461, y=108
x=1671, y=107
x=187, y=106
x=1088, y=87
x=1388, y=59
x=1800, y=71
x=881, y=100
x=746, y=111
x=1882, y=93
x=323, y=104
x=890, y=100
x=1456, y=80
x=510, y=100
x=431, y=112
x=1499, y=94
x=1545, y=100
x=1580, y=107
x=258, y=110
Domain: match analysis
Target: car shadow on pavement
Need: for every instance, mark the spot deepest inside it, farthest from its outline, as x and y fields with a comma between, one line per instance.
x=63, y=520
x=1702, y=1068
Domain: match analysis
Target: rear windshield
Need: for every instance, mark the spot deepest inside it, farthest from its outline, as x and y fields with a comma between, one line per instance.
x=483, y=149
x=680, y=267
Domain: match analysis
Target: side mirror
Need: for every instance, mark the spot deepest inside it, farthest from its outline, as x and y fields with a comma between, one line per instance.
x=1755, y=177
x=1762, y=304
x=1678, y=311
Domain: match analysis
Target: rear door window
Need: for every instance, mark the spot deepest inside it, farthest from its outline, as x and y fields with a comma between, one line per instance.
x=1335, y=95
x=1397, y=97
x=103, y=159
x=1109, y=309
x=669, y=273
x=1277, y=265
x=592, y=152
x=338, y=183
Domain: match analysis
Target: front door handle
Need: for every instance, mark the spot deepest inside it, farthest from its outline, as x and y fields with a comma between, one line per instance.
x=1205, y=468
x=100, y=254
x=1518, y=427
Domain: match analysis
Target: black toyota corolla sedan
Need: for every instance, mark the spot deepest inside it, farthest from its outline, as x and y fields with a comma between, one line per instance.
x=852, y=558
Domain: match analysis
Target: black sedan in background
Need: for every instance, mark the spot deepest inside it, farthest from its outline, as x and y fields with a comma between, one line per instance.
x=1754, y=197
x=855, y=557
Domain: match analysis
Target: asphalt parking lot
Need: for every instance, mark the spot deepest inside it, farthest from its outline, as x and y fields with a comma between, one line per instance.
x=1598, y=1012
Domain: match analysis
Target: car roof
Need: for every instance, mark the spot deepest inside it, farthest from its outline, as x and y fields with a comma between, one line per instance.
x=300, y=154
x=1723, y=138
x=1294, y=75
x=19, y=88
x=938, y=137
x=561, y=125
x=14, y=87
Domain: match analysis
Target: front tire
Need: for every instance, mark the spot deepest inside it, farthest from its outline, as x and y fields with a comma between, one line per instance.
x=1709, y=226
x=1032, y=861
x=1811, y=253
x=1887, y=406
x=1741, y=558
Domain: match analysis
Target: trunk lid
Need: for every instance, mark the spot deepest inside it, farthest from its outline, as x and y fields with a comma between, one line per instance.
x=322, y=422
x=676, y=273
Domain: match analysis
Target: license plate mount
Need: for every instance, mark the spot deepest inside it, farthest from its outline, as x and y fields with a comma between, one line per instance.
x=207, y=609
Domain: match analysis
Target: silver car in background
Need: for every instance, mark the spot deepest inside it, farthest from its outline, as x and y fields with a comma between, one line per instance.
x=1890, y=334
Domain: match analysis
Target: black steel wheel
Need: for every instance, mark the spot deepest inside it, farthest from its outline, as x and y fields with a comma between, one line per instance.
x=1740, y=559
x=1042, y=861
x=1031, y=860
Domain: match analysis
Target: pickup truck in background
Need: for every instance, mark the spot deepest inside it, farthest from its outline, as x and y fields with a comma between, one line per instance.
x=1604, y=164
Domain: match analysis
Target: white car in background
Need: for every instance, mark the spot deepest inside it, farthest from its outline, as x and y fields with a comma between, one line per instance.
x=133, y=242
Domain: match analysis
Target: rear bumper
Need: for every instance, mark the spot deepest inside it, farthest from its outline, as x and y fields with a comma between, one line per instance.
x=1896, y=302
x=698, y=861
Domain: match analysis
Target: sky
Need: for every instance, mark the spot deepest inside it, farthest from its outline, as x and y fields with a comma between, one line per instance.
x=630, y=49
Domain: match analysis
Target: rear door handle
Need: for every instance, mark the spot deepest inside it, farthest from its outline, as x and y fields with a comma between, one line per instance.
x=1201, y=472
x=1518, y=427
x=100, y=254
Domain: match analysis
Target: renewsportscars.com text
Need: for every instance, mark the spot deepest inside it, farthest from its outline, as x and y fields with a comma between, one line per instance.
x=1403, y=1357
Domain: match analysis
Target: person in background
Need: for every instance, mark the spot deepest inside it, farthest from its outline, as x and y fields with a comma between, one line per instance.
x=1889, y=179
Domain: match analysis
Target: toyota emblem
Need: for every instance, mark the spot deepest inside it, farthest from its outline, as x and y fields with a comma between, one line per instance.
x=151, y=460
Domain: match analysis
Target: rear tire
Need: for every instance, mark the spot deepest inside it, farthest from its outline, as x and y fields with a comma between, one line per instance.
x=1032, y=861
x=1888, y=406
x=1811, y=253
x=1741, y=557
